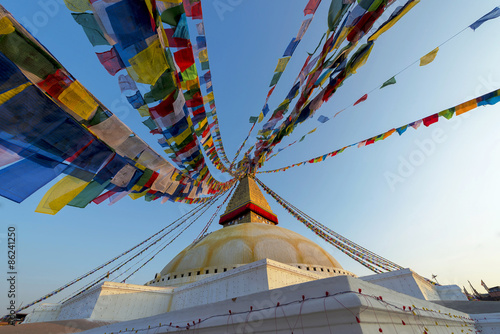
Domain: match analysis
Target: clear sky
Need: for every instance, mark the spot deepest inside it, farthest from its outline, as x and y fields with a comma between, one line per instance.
x=439, y=216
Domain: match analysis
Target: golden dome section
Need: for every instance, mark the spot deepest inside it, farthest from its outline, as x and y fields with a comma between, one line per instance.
x=247, y=243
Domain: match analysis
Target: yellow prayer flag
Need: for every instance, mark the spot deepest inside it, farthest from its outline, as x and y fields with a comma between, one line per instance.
x=150, y=63
x=312, y=130
x=464, y=107
x=393, y=21
x=207, y=98
x=6, y=26
x=4, y=97
x=79, y=6
x=429, y=58
x=203, y=55
x=143, y=111
x=282, y=64
x=78, y=100
x=261, y=117
x=135, y=196
x=61, y=194
x=150, y=7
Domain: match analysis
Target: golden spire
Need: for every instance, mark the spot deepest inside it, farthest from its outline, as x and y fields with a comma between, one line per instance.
x=248, y=205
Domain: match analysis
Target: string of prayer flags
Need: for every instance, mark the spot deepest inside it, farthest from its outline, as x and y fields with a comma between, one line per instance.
x=311, y=7
x=429, y=58
x=354, y=26
x=484, y=100
x=495, y=13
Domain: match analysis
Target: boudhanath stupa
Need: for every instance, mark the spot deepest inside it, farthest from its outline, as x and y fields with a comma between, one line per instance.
x=252, y=276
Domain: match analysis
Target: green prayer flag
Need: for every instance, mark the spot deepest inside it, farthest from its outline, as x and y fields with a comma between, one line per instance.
x=162, y=88
x=389, y=82
x=27, y=55
x=88, y=194
x=150, y=124
x=144, y=178
x=253, y=119
x=335, y=13
x=91, y=28
x=99, y=117
x=448, y=114
x=172, y=15
x=205, y=66
x=370, y=5
x=275, y=79
x=189, y=94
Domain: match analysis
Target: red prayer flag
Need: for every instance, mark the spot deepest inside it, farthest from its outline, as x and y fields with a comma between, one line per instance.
x=270, y=91
x=164, y=108
x=362, y=99
x=184, y=58
x=103, y=197
x=196, y=12
x=111, y=61
x=151, y=180
x=430, y=120
x=311, y=7
x=370, y=141
x=174, y=41
x=55, y=83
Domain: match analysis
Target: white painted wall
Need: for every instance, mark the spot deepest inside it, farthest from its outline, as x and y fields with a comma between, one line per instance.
x=316, y=314
x=488, y=323
x=410, y=283
x=44, y=312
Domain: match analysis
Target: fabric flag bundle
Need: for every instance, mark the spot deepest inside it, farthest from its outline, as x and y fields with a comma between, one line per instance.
x=70, y=133
x=425, y=60
x=484, y=100
x=355, y=24
x=310, y=9
x=146, y=57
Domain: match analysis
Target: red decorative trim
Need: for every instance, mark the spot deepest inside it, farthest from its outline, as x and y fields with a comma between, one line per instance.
x=245, y=208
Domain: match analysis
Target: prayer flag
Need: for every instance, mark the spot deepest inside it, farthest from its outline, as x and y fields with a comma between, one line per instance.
x=323, y=119
x=430, y=119
x=402, y=129
x=391, y=81
x=490, y=16
x=429, y=58
x=362, y=99
x=464, y=107
x=311, y=7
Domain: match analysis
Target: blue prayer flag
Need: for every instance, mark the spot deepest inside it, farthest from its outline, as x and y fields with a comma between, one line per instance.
x=290, y=49
x=136, y=100
x=323, y=119
x=490, y=16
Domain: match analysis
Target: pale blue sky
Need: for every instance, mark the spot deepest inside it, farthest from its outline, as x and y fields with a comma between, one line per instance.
x=441, y=218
